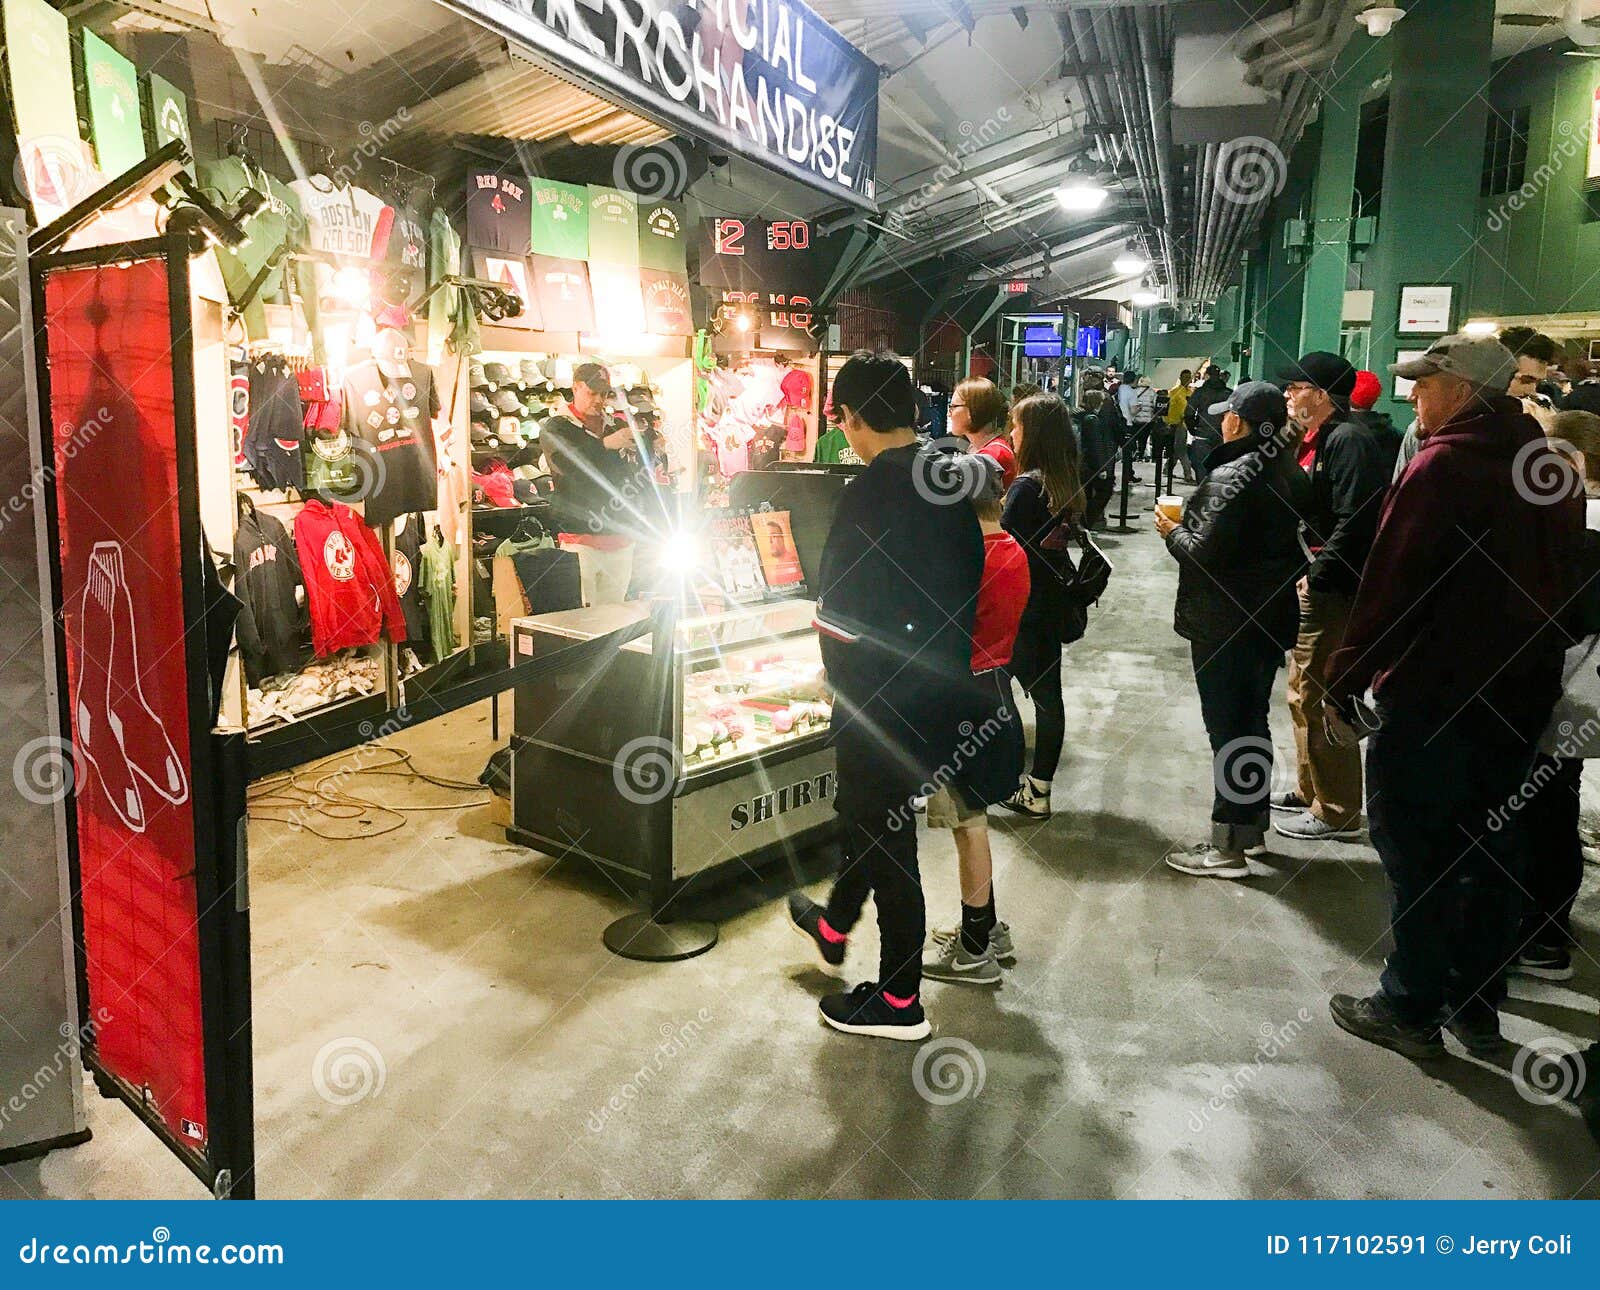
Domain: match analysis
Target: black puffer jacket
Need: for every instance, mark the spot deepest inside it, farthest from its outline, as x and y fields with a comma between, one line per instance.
x=1238, y=549
x=1351, y=472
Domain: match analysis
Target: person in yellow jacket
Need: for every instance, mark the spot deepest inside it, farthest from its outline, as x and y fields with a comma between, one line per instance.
x=1177, y=405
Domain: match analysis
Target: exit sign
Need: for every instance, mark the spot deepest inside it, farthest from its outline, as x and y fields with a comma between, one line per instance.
x=1016, y=288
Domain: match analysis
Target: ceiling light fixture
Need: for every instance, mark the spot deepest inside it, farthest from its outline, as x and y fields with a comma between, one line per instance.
x=1130, y=264
x=1380, y=19
x=1144, y=298
x=1081, y=197
x=1480, y=327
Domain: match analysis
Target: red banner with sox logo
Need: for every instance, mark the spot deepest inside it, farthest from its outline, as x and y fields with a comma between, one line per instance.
x=128, y=677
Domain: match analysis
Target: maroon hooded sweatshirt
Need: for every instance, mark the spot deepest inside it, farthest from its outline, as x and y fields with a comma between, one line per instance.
x=1471, y=567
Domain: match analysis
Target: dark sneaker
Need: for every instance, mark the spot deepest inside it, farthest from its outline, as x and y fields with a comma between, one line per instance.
x=1290, y=801
x=951, y=961
x=806, y=917
x=866, y=1011
x=1547, y=962
x=1373, y=1020
x=1030, y=800
x=1478, y=1029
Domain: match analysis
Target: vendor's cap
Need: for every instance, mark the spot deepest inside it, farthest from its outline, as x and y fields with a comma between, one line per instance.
x=594, y=375
x=1326, y=371
x=1482, y=360
x=1257, y=402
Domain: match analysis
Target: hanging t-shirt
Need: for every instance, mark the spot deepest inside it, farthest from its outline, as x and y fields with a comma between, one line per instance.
x=274, y=230
x=344, y=220
x=111, y=83
x=661, y=237
x=563, y=290
x=666, y=303
x=408, y=239
x=406, y=562
x=497, y=212
x=613, y=226
x=618, y=306
x=391, y=420
x=272, y=442
x=560, y=219
x=439, y=590
x=51, y=158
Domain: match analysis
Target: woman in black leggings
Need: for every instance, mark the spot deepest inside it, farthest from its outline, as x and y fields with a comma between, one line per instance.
x=1050, y=483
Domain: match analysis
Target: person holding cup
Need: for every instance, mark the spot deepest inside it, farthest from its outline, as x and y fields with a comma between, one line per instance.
x=1239, y=556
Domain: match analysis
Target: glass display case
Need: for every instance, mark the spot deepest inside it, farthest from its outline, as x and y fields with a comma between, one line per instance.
x=698, y=743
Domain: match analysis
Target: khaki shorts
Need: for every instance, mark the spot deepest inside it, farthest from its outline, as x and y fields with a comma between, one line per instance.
x=947, y=809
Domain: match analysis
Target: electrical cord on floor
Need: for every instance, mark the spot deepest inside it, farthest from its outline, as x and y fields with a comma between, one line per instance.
x=316, y=794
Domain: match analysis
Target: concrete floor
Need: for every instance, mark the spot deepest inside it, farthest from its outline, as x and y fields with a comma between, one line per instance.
x=1159, y=1036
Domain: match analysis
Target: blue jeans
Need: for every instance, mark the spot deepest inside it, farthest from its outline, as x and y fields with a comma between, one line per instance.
x=1441, y=805
x=1235, y=681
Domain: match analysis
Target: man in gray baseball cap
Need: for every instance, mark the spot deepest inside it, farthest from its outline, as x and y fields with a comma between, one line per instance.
x=1454, y=632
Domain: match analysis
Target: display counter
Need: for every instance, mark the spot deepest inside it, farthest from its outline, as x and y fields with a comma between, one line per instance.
x=699, y=745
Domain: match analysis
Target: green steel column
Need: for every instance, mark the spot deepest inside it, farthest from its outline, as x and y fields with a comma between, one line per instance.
x=1432, y=164
x=1278, y=306
x=1333, y=189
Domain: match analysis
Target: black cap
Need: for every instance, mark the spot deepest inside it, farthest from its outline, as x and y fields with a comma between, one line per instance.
x=1326, y=371
x=594, y=375
x=1258, y=403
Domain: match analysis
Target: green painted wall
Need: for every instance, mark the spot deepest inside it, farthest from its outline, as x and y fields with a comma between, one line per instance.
x=1539, y=248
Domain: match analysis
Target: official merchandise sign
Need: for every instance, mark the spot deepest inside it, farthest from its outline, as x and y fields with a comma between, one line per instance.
x=768, y=79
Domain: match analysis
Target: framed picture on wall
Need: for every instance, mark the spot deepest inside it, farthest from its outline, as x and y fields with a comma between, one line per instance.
x=1402, y=387
x=1425, y=309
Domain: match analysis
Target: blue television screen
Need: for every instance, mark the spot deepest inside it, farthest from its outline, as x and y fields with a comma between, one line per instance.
x=1041, y=342
x=1091, y=342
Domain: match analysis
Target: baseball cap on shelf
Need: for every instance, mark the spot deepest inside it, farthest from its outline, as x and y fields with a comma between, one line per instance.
x=531, y=371
x=507, y=402
x=1482, y=360
x=475, y=376
x=391, y=350
x=497, y=373
x=1257, y=402
x=1326, y=371
x=482, y=409
x=1366, y=391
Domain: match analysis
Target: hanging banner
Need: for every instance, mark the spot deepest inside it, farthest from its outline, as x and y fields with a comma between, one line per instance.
x=111, y=83
x=618, y=303
x=167, y=115
x=768, y=79
x=113, y=409
x=52, y=161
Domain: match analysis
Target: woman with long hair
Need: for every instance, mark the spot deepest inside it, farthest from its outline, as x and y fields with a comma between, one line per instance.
x=1048, y=491
x=978, y=415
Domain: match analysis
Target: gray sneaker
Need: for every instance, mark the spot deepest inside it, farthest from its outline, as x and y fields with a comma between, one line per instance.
x=1207, y=861
x=951, y=962
x=1290, y=801
x=999, y=940
x=1313, y=828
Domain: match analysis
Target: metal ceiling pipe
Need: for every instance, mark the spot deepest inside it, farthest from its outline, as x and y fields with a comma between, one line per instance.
x=1305, y=50
x=1062, y=250
x=1158, y=94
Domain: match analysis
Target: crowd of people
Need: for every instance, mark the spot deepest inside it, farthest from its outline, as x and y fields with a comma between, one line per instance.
x=1434, y=595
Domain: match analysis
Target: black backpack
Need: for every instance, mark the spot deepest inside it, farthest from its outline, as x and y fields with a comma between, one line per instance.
x=1083, y=581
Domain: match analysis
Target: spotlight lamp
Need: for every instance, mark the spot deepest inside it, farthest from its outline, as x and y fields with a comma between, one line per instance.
x=1380, y=19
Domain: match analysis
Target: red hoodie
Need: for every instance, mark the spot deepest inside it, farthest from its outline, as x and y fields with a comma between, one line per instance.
x=1470, y=567
x=349, y=589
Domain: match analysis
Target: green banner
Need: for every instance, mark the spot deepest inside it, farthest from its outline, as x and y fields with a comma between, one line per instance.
x=613, y=226
x=111, y=85
x=167, y=114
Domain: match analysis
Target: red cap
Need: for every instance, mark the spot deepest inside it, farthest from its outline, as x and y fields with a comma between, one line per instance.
x=1366, y=390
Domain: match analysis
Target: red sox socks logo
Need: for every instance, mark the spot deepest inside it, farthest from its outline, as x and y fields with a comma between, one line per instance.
x=117, y=732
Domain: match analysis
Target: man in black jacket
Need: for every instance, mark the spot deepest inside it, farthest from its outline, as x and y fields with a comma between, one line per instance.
x=897, y=592
x=1351, y=466
x=1205, y=430
x=1239, y=554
